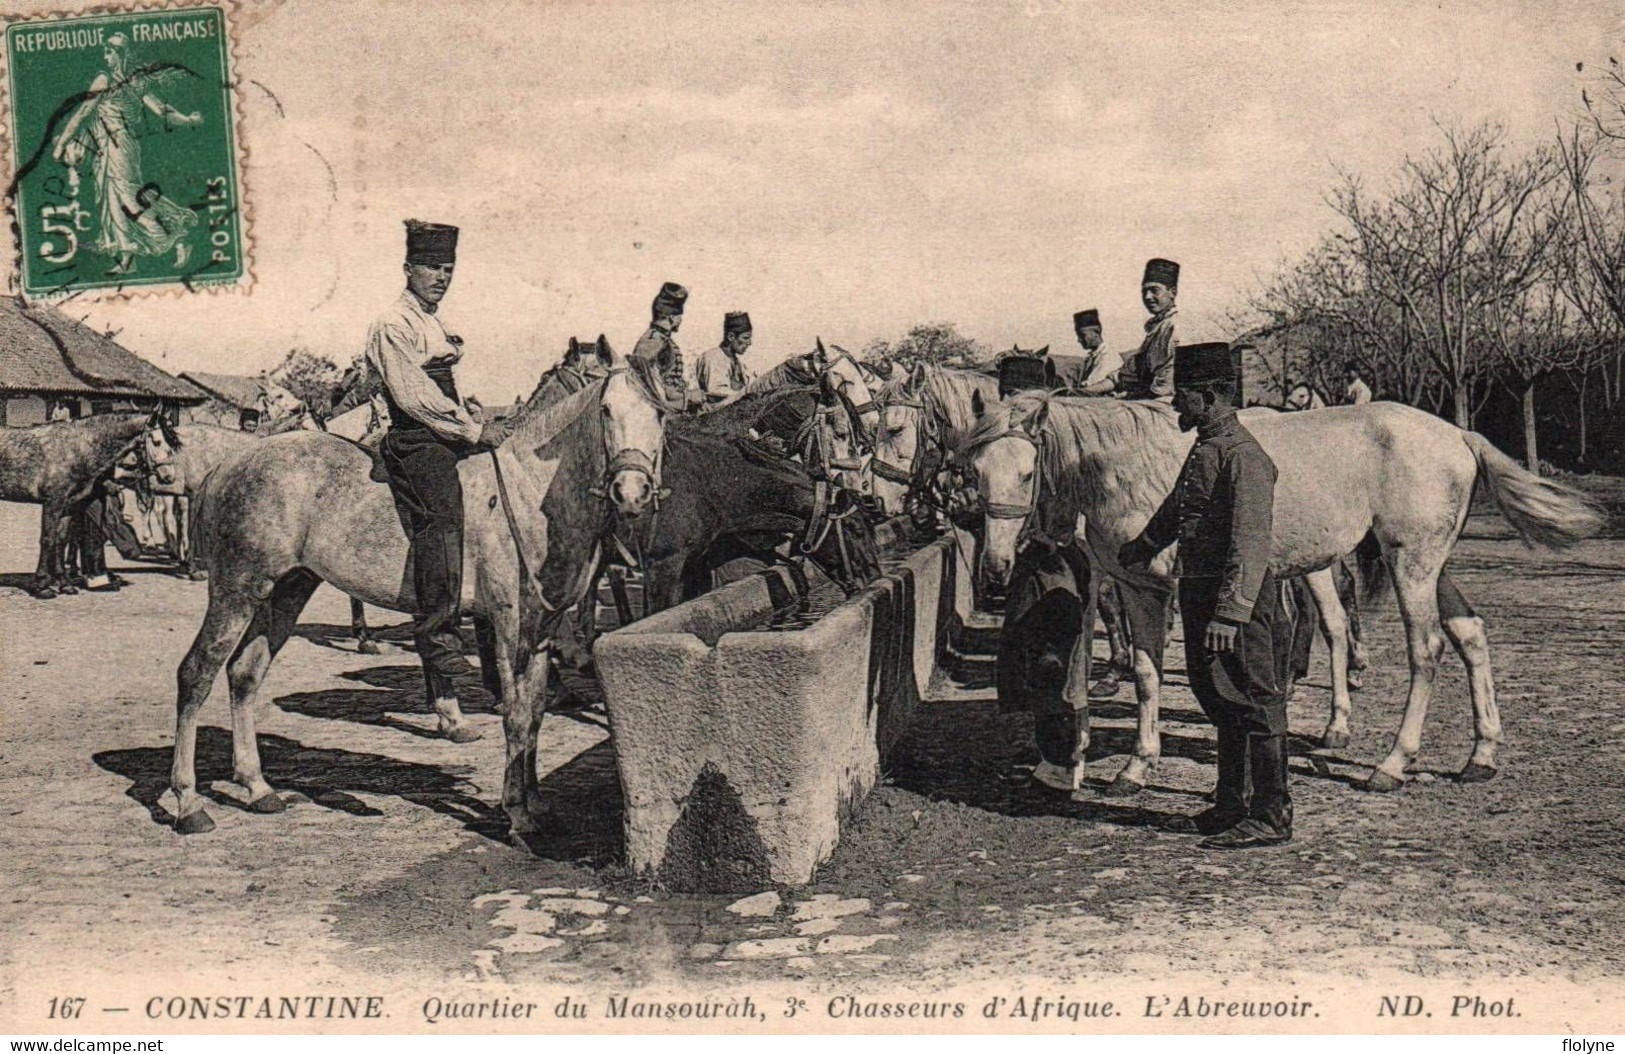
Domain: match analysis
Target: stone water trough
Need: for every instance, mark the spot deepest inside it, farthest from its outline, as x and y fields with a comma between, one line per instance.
x=741, y=748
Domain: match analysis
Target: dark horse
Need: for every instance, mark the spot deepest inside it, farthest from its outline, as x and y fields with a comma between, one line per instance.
x=56, y=466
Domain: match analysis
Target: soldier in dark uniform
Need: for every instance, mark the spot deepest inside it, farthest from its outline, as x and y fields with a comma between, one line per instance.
x=1043, y=621
x=659, y=345
x=1236, y=635
x=413, y=355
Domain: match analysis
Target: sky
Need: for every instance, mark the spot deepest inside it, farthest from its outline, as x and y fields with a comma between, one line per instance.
x=838, y=170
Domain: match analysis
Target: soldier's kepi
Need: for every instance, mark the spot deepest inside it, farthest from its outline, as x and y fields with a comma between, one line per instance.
x=1237, y=638
x=413, y=354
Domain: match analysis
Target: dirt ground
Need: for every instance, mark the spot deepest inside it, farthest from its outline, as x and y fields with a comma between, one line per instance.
x=390, y=866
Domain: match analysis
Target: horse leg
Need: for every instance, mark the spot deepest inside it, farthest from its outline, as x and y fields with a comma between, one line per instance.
x=364, y=644
x=486, y=640
x=272, y=624
x=523, y=680
x=1334, y=627
x=223, y=626
x=1466, y=632
x=1348, y=593
x=1147, y=613
x=48, y=574
x=1416, y=583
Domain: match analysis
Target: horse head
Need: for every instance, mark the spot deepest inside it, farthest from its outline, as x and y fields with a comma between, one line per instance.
x=1003, y=457
x=158, y=447
x=841, y=538
x=634, y=418
x=849, y=380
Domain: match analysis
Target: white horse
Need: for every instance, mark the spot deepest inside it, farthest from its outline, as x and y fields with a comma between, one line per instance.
x=1397, y=473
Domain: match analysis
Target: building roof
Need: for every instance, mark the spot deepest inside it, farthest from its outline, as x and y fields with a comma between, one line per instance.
x=240, y=391
x=43, y=350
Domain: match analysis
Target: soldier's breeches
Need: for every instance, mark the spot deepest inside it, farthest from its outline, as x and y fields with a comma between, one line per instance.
x=1243, y=687
x=423, y=472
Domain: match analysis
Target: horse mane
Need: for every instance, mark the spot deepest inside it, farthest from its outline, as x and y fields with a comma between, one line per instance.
x=946, y=394
x=792, y=372
x=544, y=420
x=739, y=416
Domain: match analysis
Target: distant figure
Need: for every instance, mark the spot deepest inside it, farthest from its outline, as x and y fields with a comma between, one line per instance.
x=1303, y=397
x=60, y=410
x=721, y=374
x=1357, y=392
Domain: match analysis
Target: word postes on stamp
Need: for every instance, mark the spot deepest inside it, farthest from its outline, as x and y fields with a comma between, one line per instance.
x=125, y=173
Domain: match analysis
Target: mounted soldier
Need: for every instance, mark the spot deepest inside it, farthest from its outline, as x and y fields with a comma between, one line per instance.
x=1149, y=372
x=414, y=355
x=1098, y=365
x=659, y=344
x=1237, y=637
x=722, y=374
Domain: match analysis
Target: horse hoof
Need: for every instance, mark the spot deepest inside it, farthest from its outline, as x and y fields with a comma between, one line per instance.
x=1334, y=740
x=1356, y=680
x=1380, y=782
x=367, y=647
x=1122, y=787
x=194, y=823
x=1104, y=689
x=69, y=591
x=1476, y=773
x=267, y=805
x=197, y=576
x=464, y=734
x=45, y=593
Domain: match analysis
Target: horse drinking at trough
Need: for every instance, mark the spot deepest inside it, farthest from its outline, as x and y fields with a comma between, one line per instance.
x=306, y=507
x=1396, y=473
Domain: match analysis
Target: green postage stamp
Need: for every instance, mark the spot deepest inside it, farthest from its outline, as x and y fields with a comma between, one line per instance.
x=125, y=171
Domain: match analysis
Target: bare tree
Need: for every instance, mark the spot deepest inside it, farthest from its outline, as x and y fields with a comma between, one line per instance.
x=1464, y=229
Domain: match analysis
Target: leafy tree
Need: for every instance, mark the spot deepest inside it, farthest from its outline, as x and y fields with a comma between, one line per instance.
x=312, y=378
x=935, y=342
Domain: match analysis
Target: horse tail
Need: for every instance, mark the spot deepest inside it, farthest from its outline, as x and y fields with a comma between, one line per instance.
x=1542, y=511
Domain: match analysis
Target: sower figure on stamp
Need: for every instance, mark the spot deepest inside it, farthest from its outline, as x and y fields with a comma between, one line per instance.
x=1221, y=512
x=722, y=374
x=659, y=344
x=430, y=430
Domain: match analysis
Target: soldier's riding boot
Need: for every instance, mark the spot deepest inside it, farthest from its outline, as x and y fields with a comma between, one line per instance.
x=1269, y=817
x=1230, y=796
x=437, y=560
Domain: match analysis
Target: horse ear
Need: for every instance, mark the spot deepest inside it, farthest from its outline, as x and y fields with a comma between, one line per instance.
x=575, y=346
x=606, y=354
x=977, y=406
x=820, y=356
x=1043, y=352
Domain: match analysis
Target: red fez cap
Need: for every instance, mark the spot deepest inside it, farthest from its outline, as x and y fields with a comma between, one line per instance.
x=1163, y=272
x=430, y=243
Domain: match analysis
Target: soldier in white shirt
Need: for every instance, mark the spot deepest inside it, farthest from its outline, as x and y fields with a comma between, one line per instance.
x=1357, y=391
x=722, y=374
x=430, y=430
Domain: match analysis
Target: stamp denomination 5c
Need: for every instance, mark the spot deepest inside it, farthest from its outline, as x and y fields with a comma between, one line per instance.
x=124, y=156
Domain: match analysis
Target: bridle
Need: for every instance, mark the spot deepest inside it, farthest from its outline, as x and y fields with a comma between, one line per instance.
x=823, y=520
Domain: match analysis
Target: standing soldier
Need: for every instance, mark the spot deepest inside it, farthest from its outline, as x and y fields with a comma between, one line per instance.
x=1221, y=513
x=1357, y=391
x=1149, y=372
x=413, y=355
x=659, y=343
x=721, y=374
